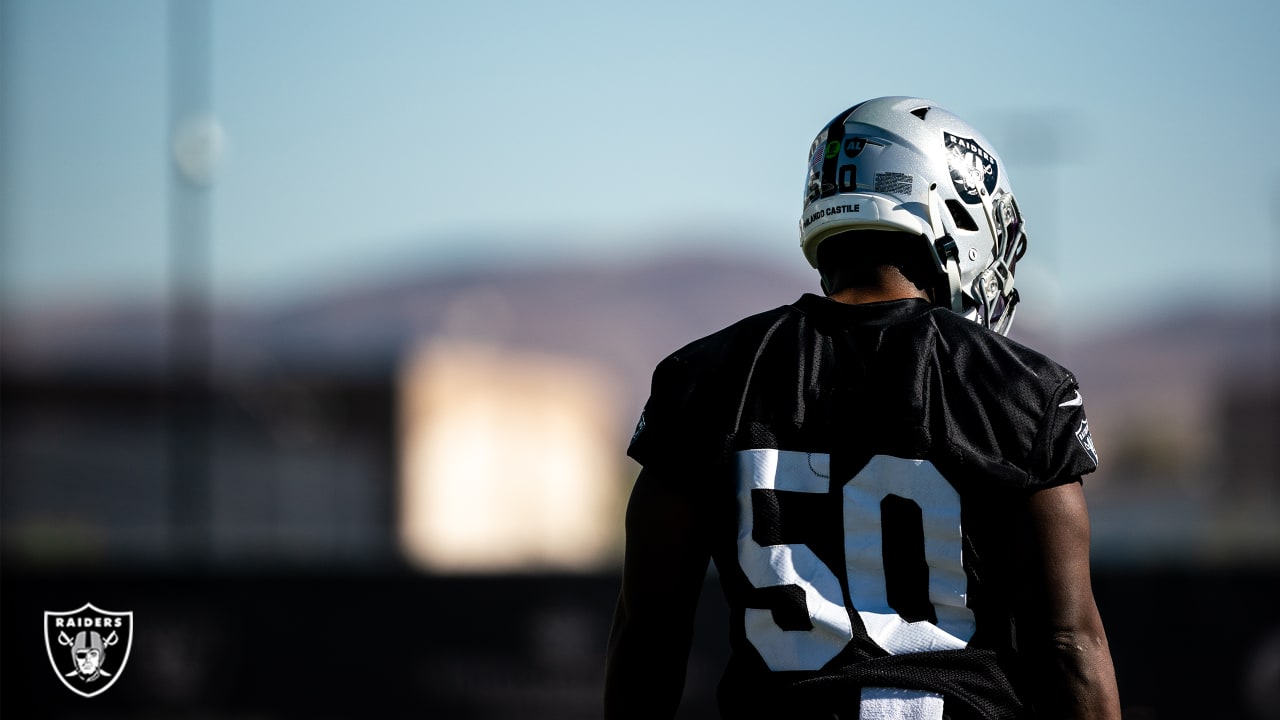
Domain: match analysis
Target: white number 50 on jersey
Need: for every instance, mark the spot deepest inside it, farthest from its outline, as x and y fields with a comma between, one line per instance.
x=797, y=565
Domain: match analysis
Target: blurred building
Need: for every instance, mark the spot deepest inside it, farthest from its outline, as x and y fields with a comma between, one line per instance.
x=461, y=423
x=507, y=461
x=451, y=450
x=401, y=421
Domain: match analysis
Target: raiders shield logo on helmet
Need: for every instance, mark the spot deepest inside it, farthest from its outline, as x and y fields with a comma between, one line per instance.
x=88, y=647
x=973, y=169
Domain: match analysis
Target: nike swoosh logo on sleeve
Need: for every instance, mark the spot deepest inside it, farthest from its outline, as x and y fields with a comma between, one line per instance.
x=1073, y=402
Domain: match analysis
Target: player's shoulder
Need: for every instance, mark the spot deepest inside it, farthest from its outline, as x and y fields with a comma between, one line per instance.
x=974, y=349
x=996, y=387
x=692, y=389
x=738, y=340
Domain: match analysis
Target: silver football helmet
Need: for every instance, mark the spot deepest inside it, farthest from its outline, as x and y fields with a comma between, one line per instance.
x=905, y=164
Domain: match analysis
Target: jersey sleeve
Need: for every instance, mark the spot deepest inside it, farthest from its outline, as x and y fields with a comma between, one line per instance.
x=1065, y=447
x=661, y=437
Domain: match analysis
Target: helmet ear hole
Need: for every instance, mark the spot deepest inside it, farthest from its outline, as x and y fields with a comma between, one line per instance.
x=963, y=219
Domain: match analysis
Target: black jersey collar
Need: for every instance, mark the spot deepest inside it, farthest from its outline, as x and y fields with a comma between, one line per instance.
x=888, y=312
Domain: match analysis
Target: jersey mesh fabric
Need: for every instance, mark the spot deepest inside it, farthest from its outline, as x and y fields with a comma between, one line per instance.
x=903, y=379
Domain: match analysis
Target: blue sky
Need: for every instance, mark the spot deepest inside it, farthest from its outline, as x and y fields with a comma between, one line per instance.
x=367, y=138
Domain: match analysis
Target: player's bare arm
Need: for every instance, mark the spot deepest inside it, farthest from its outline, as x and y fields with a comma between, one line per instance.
x=665, y=565
x=1067, y=634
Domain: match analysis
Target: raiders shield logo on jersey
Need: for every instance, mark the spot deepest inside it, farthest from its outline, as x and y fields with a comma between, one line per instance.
x=88, y=647
x=1086, y=441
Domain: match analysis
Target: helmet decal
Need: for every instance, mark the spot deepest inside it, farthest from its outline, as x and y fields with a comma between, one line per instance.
x=815, y=161
x=894, y=183
x=830, y=161
x=853, y=146
x=848, y=178
x=905, y=165
x=973, y=169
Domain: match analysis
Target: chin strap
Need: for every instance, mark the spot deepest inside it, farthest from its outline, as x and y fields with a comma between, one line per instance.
x=947, y=255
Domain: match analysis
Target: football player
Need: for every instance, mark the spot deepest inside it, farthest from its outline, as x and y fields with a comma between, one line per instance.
x=889, y=487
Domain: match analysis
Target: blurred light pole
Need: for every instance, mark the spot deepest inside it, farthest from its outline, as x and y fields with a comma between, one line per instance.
x=1274, y=286
x=196, y=142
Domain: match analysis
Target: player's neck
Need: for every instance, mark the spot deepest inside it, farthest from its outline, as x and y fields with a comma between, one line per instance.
x=890, y=285
x=859, y=296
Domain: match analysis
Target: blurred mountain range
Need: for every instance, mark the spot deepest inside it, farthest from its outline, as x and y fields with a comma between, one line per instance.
x=1184, y=403
x=626, y=318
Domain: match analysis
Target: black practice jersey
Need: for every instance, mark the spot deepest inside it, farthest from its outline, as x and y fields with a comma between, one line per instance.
x=862, y=470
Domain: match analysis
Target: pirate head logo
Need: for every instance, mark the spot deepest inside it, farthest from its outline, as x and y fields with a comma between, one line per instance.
x=88, y=647
x=973, y=169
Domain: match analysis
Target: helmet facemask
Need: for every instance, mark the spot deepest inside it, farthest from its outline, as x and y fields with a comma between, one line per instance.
x=993, y=292
x=904, y=164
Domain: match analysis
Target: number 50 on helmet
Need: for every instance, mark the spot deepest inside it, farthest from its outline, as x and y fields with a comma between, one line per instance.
x=904, y=164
